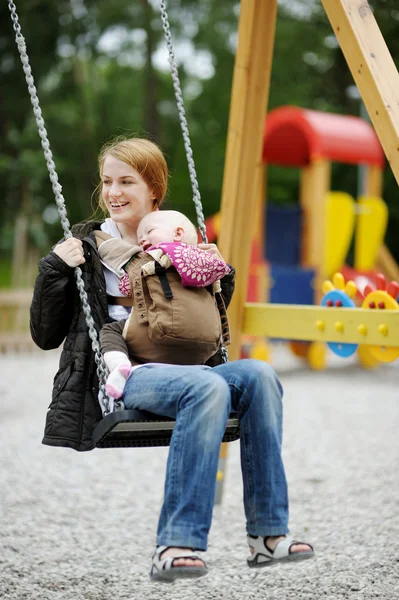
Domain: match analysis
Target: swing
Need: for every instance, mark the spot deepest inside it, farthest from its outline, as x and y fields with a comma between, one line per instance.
x=119, y=427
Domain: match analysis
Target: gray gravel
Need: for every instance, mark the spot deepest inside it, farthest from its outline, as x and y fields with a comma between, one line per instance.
x=82, y=526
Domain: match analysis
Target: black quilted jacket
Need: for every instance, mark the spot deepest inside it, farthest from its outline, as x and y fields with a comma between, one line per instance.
x=56, y=315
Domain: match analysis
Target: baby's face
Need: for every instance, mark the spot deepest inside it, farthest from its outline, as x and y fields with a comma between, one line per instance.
x=155, y=229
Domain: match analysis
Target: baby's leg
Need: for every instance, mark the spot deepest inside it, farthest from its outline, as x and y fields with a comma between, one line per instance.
x=120, y=368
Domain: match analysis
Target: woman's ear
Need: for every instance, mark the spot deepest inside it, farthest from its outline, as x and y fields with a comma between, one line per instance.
x=179, y=234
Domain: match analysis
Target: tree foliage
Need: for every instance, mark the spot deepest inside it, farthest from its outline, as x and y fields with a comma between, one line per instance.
x=98, y=73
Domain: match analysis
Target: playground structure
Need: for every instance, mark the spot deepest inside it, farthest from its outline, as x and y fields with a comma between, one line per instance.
x=303, y=244
x=376, y=76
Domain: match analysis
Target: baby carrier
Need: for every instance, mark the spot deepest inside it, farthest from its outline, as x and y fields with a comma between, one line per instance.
x=170, y=322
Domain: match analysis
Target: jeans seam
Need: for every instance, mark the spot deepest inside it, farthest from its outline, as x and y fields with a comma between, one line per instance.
x=177, y=434
x=249, y=488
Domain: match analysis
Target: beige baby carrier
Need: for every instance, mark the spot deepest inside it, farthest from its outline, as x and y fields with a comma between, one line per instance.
x=169, y=323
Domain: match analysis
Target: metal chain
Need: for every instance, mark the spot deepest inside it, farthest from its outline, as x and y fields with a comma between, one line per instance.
x=102, y=370
x=186, y=134
x=183, y=121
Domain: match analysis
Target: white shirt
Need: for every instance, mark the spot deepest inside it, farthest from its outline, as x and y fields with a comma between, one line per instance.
x=111, y=279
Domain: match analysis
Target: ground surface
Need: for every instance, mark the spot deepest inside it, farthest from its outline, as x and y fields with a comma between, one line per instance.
x=81, y=526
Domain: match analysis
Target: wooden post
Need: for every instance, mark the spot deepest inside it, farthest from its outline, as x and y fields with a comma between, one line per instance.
x=260, y=234
x=250, y=93
x=372, y=69
x=221, y=473
x=315, y=183
x=373, y=185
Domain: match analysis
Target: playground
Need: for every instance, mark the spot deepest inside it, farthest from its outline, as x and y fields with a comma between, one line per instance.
x=316, y=296
x=62, y=533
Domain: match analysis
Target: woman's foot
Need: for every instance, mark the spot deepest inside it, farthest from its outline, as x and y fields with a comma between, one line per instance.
x=170, y=563
x=266, y=551
x=272, y=542
x=182, y=562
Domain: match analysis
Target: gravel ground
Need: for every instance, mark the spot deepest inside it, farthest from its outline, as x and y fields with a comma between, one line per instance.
x=82, y=526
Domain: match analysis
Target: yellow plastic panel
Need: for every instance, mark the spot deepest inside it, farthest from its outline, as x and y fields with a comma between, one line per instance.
x=377, y=298
x=340, y=223
x=371, y=225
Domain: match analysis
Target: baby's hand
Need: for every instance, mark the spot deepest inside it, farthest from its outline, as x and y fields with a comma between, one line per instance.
x=212, y=249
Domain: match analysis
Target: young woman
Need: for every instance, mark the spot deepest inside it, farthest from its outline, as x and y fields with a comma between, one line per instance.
x=133, y=183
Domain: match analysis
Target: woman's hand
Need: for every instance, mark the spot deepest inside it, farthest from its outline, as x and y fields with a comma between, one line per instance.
x=71, y=252
x=213, y=249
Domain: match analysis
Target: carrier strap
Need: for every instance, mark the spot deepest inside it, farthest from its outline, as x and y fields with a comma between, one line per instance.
x=160, y=271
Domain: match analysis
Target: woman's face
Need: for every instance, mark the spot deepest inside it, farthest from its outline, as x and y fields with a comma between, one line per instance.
x=125, y=193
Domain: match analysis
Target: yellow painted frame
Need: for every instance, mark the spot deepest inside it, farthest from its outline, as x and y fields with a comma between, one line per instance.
x=319, y=323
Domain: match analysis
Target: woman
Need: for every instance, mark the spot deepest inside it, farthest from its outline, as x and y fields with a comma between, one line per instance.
x=133, y=183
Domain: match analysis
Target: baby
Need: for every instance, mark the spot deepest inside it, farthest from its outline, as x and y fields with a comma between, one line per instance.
x=166, y=238
x=165, y=226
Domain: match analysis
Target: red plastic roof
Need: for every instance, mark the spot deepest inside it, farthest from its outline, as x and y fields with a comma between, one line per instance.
x=296, y=136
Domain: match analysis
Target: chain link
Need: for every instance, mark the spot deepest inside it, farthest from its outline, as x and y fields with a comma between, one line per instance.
x=183, y=121
x=102, y=370
x=186, y=134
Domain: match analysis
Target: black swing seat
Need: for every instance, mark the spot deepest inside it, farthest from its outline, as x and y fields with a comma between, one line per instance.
x=140, y=428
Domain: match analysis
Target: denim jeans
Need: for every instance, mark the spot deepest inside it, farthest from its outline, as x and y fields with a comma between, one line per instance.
x=201, y=399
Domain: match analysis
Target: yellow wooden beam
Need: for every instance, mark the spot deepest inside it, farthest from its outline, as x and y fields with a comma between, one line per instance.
x=259, y=235
x=372, y=68
x=374, y=185
x=244, y=147
x=314, y=185
x=318, y=323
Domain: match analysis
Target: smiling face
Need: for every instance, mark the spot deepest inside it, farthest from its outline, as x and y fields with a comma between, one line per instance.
x=125, y=193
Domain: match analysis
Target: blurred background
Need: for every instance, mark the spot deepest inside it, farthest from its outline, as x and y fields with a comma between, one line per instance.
x=101, y=69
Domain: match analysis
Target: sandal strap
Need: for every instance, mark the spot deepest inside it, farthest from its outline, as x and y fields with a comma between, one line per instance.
x=165, y=564
x=282, y=550
x=260, y=550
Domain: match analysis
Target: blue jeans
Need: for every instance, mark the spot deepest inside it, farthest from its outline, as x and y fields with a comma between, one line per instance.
x=201, y=399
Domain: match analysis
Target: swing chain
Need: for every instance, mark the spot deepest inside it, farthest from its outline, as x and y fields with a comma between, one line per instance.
x=20, y=40
x=186, y=135
x=183, y=121
x=224, y=353
x=102, y=370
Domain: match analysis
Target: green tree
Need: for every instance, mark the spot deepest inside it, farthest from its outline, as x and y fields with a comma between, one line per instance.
x=97, y=70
